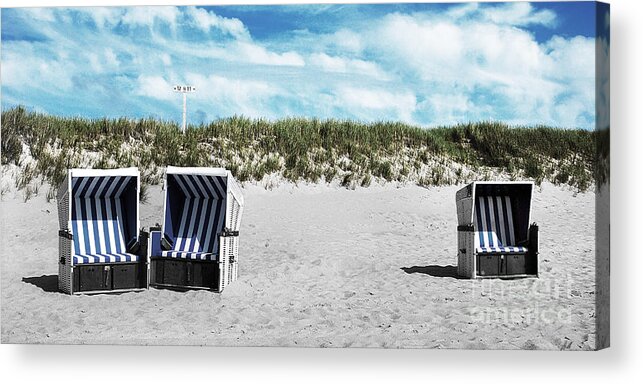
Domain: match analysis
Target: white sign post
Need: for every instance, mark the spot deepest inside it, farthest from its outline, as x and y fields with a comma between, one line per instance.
x=184, y=89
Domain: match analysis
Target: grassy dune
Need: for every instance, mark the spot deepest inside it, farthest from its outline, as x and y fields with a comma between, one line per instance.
x=42, y=147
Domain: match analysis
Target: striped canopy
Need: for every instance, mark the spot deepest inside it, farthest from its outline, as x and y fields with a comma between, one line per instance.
x=194, y=215
x=201, y=186
x=99, y=186
x=103, y=217
x=495, y=229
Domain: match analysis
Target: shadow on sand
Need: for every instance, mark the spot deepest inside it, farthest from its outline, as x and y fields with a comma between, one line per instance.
x=435, y=271
x=48, y=283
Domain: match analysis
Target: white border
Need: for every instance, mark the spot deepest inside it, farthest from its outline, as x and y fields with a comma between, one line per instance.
x=171, y=170
x=88, y=172
x=620, y=363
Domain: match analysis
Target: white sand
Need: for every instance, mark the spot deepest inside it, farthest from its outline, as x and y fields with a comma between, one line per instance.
x=323, y=267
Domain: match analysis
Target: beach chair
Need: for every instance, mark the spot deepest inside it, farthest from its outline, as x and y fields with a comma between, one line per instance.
x=197, y=245
x=99, y=232
x=495, y=237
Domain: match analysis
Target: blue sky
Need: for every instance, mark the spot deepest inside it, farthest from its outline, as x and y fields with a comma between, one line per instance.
x=424, y=64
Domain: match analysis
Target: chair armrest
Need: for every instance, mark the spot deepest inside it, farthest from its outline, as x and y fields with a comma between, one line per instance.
x=465, y=228
x=155, y=243
x=143, y=243
x=229, y=233
x=533, y=238
x=134, y=246
x=166, y=244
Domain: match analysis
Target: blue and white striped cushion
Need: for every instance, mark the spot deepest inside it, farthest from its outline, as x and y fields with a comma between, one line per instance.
x=495, y=226
x=189, y=255
x=105, y=258
x=501, y=249
x=98, y=220
x=202, y=218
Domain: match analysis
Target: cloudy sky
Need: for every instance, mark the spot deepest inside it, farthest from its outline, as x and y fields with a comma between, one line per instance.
x=424, y=64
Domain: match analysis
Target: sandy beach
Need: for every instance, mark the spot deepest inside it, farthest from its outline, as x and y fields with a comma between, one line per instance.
x=321, y=266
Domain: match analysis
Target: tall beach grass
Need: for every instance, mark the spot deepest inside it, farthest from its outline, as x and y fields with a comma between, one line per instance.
x=298, y=149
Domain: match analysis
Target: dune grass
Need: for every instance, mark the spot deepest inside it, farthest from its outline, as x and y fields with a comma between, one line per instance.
x=299, y=149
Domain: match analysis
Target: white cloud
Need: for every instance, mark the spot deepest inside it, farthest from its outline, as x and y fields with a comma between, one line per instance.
x=519, y=14
x=155, y=87
x=173, y=16
x=95, y=62
x=448, y=51
x=103, y=16
x=99, y=61
x=147, y=16
x=570, y=113
x=166, y=59
x=21, y=69
x=571, y=57
x=347, y=40
x=344, y=65
x=463, y=10
x=383, y=104
x=218, y=95
x=225, y=97
x=41, y=14
x=449, y=108
x=110, y=58
x=257, y=54
x=426, y=47
x=502, y=62
x=235, y=51
x=205, y=20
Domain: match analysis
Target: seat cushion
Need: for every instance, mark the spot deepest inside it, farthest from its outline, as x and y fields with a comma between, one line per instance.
x=501, y=249
x=106, y=258
x=188, y=255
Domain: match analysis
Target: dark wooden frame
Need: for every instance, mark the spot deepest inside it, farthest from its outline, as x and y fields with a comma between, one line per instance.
x=105, y=277
x=185, y=274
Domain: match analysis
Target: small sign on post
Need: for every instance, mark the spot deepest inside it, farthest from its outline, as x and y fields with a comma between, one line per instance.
x=184, y=89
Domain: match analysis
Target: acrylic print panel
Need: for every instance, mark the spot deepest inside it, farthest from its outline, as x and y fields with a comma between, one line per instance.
x=336, y=175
